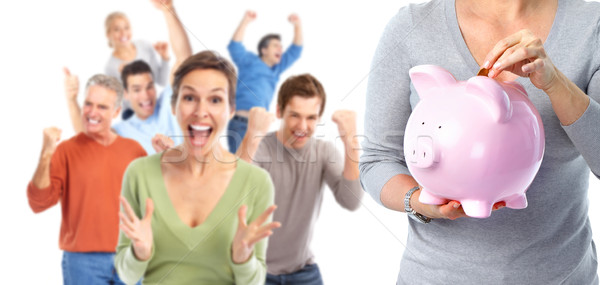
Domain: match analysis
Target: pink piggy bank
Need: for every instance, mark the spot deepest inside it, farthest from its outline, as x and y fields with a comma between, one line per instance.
x=478, y=142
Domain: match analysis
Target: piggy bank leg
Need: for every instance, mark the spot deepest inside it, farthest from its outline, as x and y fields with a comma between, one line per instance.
x=477, y=209
x=427, y=198
x=518, y=201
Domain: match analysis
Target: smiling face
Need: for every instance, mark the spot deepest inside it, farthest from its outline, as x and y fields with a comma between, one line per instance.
x=299, y=120
x=141, y=93
x=99, y=108
x=271, y=55
x=202, y=109
x=118, y=32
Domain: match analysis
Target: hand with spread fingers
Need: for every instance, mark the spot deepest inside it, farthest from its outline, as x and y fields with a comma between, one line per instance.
x=138, y=231
x=522, y=54
x=248, y=235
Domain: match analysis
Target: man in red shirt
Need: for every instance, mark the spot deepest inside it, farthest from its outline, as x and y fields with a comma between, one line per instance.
x=84, y=173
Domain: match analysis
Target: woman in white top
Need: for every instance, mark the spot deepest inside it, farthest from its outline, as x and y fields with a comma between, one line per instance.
x=118, y=33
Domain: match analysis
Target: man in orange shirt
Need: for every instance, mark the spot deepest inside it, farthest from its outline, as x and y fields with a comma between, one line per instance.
x=84, y=173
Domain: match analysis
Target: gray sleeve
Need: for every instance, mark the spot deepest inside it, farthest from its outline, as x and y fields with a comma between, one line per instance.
x=387, y=111
x=348, y=193
x=585, y=132
x=112, y=68
x=262, y=157
x=162, y=76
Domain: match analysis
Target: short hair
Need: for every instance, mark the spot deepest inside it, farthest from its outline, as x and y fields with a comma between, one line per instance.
x=134, y=68
x=303, y=85
x=205, y=60
x=264, y=42
x=107, y=82
x=110, y=18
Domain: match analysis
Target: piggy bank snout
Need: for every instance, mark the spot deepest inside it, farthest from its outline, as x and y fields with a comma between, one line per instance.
x=422, y=153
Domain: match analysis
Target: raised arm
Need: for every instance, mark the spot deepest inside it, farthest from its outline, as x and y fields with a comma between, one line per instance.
x=41, y=192
x=346, y=122
x=238, y=35
x=259, y=121
x=178, y=38
x=71, y=90
x=295, y=20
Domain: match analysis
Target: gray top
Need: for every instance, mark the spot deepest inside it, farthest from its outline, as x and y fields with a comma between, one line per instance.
x=549, y=242
x=298, y=176
x=144, y=51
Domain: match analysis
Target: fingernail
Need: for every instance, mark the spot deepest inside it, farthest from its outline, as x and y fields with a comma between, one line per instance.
x=497, y=65
x=526, y=69
x=491, y=73
x=456, y=205
x=486, y=64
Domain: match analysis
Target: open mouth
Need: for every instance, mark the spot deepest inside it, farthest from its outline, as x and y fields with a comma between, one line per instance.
x=123, y=39
x=146, y=105
x=298, y=135
x=92, y=121
x=199, y=134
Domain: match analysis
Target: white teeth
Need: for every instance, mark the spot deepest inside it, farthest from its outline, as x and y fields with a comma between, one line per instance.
x=93, y=121
x=200, y=128
x=146, y=103
x=299, y=134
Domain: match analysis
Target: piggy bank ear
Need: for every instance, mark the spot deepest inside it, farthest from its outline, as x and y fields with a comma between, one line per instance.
x=494, y=96
x=425, y=77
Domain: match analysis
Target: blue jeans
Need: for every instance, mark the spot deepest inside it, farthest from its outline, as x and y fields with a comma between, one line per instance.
x=89, y=268
x=236, y=130
x=309, y=275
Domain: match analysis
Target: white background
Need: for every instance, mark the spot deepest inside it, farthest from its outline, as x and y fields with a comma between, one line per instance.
x=40, y=37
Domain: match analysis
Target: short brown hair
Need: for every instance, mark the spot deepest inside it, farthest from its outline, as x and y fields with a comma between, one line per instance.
x=205, y=60
x=303, y=85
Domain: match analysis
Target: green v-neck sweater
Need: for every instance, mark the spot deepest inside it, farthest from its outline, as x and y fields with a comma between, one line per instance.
x=199, y=255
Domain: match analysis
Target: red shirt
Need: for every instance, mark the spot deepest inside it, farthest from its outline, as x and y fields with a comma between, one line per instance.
x=86, y=177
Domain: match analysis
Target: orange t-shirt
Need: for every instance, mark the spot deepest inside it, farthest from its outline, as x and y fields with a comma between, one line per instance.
x=86, y=177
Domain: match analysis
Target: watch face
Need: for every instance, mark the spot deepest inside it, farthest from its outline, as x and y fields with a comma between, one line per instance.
x=419, y=218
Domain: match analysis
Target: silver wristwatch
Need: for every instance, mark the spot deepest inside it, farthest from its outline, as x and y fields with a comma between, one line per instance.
x=410, y=212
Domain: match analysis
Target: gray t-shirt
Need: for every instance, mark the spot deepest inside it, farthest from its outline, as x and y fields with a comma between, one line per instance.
x=549, y=242
x=144, y=51
x=298, y=176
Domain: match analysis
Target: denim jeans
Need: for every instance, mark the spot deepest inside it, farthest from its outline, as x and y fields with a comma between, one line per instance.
x=89, y=268
x=309, y=275
x=236, y=130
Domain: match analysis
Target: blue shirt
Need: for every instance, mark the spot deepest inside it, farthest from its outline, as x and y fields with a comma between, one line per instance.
x=161, y=121
x=256, y=80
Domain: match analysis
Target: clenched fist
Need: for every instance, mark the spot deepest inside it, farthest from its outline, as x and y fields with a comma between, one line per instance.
x=259, y=121
x=162, y=48
x=346, y=122
x=51, y=138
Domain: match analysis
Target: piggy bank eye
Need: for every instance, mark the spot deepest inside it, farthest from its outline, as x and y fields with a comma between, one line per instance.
x=439, y=127
x=423, y=123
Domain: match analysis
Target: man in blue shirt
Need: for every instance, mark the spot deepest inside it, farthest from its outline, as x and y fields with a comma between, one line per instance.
x=152, y=115
x=258, y=74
